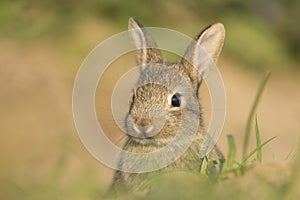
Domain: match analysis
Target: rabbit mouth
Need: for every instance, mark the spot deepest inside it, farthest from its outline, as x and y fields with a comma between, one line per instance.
x=150, y=141
x=151, y=137
x=143, y=134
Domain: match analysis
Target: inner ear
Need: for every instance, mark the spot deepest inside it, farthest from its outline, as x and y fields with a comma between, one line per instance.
x=203, y=51
x=146, y=48
x=211, y=40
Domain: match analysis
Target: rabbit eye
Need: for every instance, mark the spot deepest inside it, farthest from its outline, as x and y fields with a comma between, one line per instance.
x=175, y=100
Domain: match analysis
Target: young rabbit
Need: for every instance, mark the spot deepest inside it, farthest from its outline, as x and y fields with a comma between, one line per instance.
x=150, y=128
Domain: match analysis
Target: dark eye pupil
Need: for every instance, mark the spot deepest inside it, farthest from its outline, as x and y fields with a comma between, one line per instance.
x=175, y=101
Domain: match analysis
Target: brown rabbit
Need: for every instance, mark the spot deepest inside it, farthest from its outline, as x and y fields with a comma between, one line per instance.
x=147, y=132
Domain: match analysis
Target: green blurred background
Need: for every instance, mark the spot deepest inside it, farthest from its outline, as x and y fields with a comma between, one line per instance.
x=42, y=44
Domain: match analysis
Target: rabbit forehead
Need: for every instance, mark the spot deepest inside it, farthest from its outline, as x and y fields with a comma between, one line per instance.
x=148, y=97
x=153, y=93
x=168, y=75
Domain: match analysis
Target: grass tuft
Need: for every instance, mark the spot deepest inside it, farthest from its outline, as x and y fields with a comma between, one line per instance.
x=257, y=149
x=252, y=113
x=231, y=152
x=258, y=142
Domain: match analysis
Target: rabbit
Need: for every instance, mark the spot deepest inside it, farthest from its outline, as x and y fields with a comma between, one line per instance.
x=141, y=125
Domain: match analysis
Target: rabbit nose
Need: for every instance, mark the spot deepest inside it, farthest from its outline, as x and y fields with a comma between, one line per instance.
x=143, y=131
x=143, y=125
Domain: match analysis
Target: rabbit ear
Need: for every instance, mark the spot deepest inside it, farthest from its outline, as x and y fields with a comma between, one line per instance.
x=206, y=48
x=147, y=51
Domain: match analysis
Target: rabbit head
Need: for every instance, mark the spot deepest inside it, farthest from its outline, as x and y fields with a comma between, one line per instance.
x=165, y=89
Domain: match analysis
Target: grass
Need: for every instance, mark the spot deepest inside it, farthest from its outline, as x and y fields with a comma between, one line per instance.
x=252, y=112
x=231, y=165
x=258, y=142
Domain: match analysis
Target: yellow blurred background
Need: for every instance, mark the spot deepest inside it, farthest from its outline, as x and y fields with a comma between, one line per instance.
x=42, y=44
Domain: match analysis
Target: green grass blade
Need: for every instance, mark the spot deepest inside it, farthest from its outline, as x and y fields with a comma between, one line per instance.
x=231, y=152
x=293, y=184
x=204, y=166
x=293, y=149
x=252, y=112
x=258, y=142
x=246, y=157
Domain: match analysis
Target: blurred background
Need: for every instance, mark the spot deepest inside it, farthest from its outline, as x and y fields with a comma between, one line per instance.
x=42, y=44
